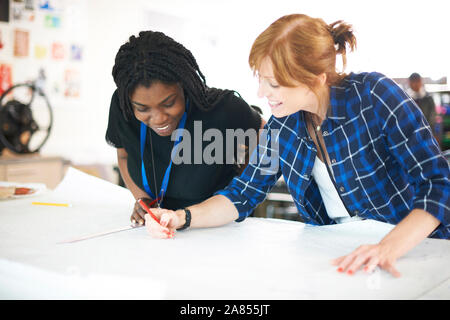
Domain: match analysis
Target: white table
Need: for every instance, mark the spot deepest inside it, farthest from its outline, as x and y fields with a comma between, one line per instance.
x=255, y=259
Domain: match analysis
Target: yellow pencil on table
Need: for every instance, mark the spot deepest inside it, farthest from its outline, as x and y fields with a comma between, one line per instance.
x=51, y=204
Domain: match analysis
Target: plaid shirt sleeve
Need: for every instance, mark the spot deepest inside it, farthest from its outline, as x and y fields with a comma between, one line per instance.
x=411, y=142
x=263, y=171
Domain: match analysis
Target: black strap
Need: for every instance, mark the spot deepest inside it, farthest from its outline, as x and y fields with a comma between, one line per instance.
x=188, y=220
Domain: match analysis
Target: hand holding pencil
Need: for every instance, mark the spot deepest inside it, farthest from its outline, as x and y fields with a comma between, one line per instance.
x=138, y=214
x=156, y=221
x=168, y=222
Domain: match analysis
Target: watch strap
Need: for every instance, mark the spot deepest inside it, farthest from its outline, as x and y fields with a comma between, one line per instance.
x=188, y=220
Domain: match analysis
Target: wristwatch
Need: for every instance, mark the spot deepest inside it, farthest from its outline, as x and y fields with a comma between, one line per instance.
x=188, y=220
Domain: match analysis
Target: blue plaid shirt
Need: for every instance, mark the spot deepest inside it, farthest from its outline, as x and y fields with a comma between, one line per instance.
x=383, y=156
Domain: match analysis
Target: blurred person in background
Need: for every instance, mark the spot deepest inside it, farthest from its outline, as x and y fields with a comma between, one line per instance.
x=423, y=99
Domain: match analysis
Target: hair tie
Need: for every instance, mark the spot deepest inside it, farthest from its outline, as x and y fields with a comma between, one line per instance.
x=332, y=30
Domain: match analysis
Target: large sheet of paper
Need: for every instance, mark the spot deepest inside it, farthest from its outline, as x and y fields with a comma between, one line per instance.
x=255, y=259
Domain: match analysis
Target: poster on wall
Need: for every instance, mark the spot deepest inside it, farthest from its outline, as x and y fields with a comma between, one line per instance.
x=5, y=77
x=4, y=10
x=29, y=4
x=76, y=52
x=21, y=43
x=40, y=51
x=71, y=83
x=57, y=51
x=47, y=5
x=23, y=10
x=52, y=21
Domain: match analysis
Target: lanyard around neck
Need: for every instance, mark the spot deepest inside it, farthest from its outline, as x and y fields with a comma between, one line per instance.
x=165, y=181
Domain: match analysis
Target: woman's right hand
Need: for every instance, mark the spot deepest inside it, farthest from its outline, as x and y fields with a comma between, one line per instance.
x=169, y=221
x=137, y=217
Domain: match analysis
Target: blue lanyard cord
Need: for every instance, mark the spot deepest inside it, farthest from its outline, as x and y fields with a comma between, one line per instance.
x=165, y=181
x=144, y=175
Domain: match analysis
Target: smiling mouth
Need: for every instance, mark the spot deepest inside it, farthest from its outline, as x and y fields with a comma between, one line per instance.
x=273, y=104
x=162, y=128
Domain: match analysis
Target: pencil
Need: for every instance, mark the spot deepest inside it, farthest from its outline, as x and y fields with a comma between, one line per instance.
x=51, y=204
x=147, y=209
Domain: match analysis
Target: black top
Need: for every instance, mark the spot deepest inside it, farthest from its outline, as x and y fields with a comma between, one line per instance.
x=189, y=183
x=426, y=104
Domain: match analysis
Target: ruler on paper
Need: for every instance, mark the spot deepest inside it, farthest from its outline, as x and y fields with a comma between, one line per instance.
x=100, y=234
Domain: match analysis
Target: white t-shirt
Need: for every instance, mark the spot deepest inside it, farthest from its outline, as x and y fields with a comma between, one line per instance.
x=333, y=203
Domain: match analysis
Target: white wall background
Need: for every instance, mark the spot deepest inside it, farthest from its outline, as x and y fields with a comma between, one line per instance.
x=394, y=37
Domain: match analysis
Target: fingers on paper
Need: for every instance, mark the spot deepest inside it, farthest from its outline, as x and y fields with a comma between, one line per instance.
x=389, y=267
x=337, y=261
x=135, y=218
x=138, y=215
x=156, y=230
x=168, y=218
x=366, y=256
x=371, y=264
x=354, y=261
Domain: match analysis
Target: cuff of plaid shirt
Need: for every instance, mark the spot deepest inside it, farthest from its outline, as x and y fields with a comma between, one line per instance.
x=244, y=211
x=441, y=212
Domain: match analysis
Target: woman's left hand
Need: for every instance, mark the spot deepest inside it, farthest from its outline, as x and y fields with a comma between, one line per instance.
x=415, y=227
x=370, y=256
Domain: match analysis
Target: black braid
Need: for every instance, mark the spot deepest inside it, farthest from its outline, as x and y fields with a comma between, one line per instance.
x=153, y=56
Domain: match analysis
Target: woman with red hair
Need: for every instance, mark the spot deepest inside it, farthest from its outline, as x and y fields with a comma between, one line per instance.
x=350, y=146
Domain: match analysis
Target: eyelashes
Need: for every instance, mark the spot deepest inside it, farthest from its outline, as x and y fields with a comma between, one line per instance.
x=169, y=104
x=260, y=79
x=166, y=106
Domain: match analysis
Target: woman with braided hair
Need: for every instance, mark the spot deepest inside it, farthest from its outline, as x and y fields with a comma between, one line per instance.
x=160, y=88
x=351, y=146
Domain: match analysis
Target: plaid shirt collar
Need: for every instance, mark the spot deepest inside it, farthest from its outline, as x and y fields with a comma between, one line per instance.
x=336, y=113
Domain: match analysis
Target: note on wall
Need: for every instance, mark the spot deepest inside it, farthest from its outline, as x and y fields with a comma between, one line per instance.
x=40, y=51
x=52, y=21
x=23, y=10
x=76, y=52
x=57, y=50
x=72, y=83
x=21, y=43
x=5, y=77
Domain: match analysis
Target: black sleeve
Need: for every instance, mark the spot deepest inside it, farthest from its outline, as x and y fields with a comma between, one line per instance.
x=241, y=115
x=115, y=117
x=238, y=114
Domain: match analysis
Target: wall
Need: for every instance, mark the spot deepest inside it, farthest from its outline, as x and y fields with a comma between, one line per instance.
x=100, y=27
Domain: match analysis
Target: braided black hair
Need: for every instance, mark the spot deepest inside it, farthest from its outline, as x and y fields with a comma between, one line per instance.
x=153, y=56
